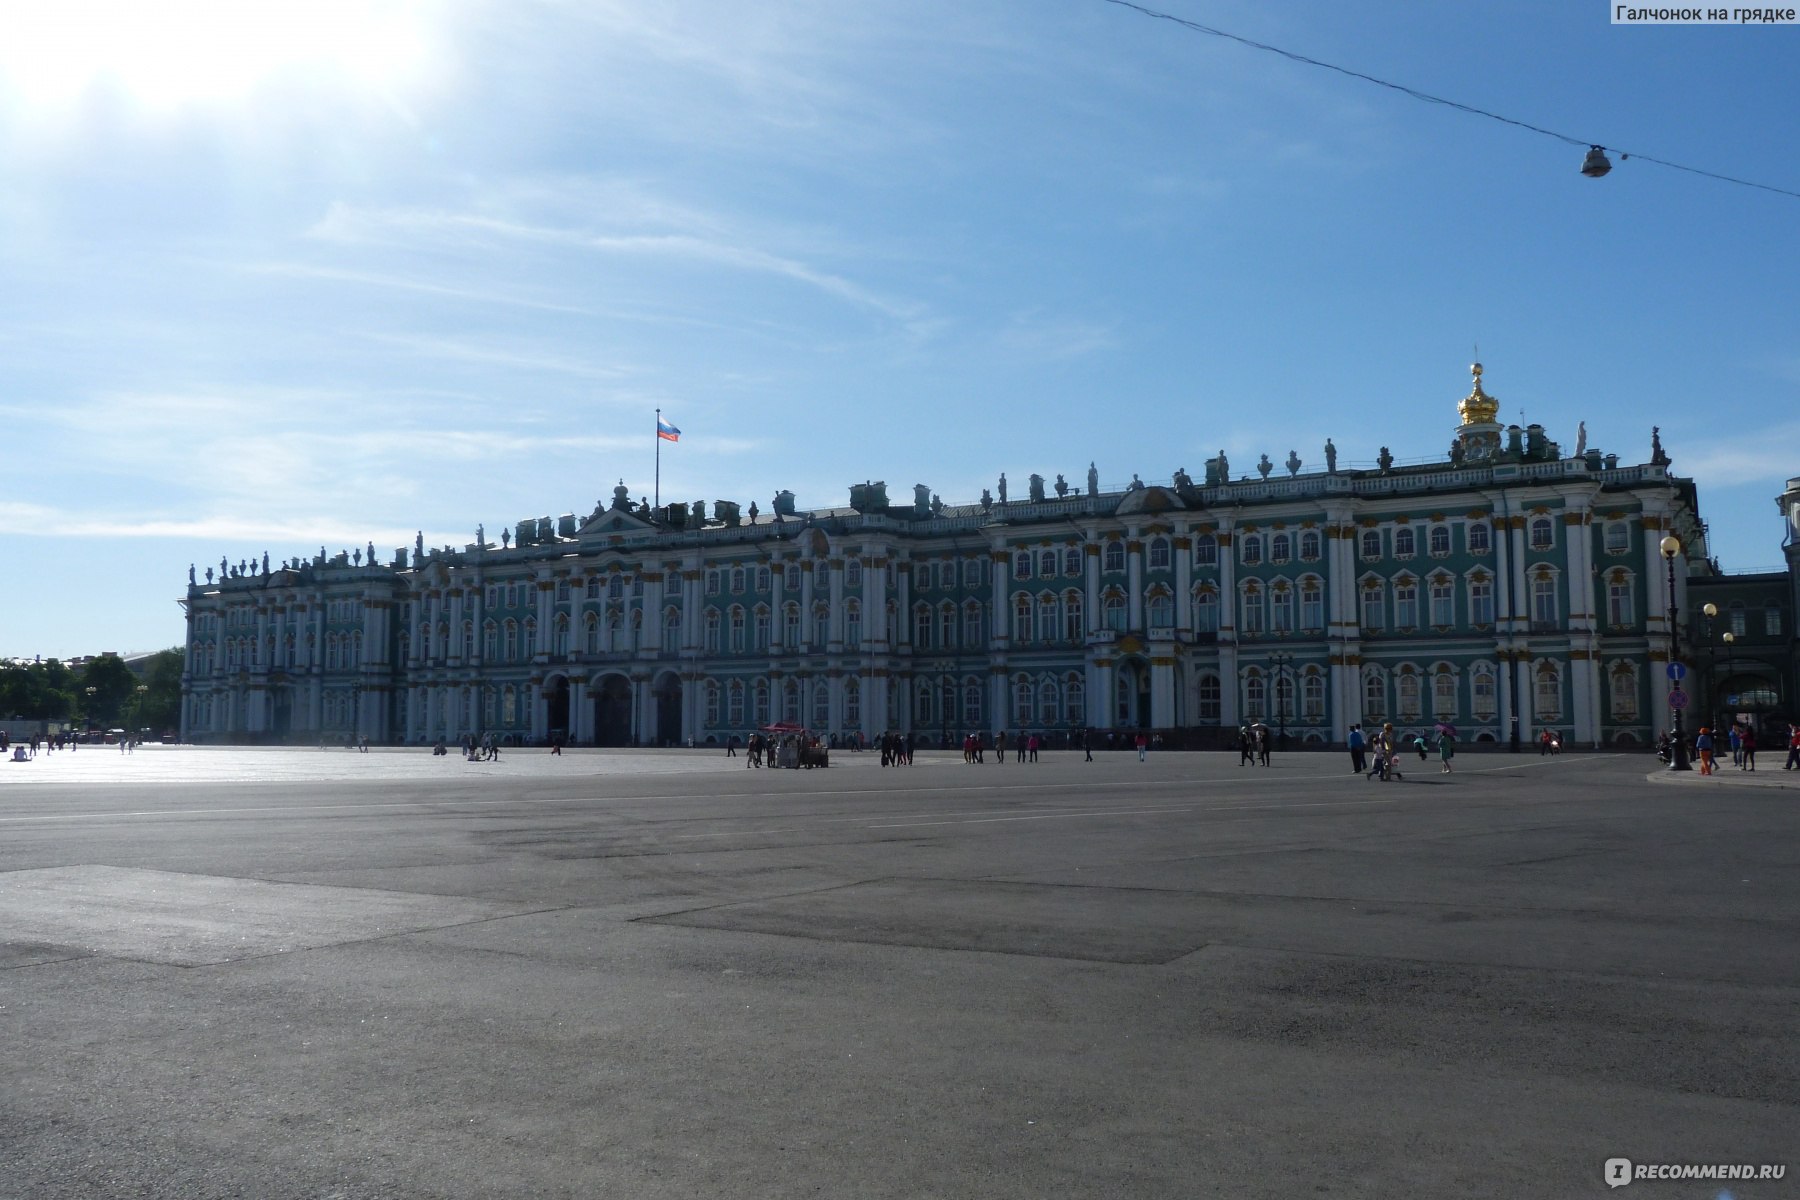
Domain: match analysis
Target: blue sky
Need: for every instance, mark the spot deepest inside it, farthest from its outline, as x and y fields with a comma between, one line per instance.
x=277, y=276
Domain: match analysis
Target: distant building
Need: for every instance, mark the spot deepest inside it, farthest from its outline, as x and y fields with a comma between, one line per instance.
x=1508, y=588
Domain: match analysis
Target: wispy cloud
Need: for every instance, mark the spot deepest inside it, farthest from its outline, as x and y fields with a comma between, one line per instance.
x=482, y=296
x=1037, y=334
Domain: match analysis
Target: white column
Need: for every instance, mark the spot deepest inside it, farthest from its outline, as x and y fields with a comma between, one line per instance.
x=834, y=633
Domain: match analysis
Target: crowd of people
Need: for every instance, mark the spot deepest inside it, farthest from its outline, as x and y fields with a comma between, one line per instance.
x=1376, y=754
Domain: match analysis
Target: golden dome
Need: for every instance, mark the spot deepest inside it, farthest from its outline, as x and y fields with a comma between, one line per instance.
x=1478, y=408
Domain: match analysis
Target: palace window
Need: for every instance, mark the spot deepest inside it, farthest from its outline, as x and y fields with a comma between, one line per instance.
x=921, y=627
x=1206, y=611
x=1021, y=619
x=562, y=590
x=1481, y=601
x=946, y=625
x=512, y=641
x=972, y=704
x=763, y=713
x=1772, y=620
x=1022, y=565
x=1617, y=537
x=1403, y=542
x=853, y=574
x=1072, y=562
x=1619, y=607
x=1206, y=551
x=1282, y=610
x=1374, y=608
x=1279, y=548
x=734, y=699
x=1046, y=564
x=1443, y=603
x=973, y=636
x=1114, y=557
x=1046, y=613
x=762, y=628
x=1406, y=697
x=1480, y=538
x=531, y=637
x=712, y=582
x=1024, y=711
x=1406, y=605
x=1112, y=610
x=790, y=700
x=560, y=636
x=922, y=577
x=1312, y=697
x=1162, y=610
x=853, y=703
x=671, y=639
x=1255, y=697
x=1485, y=694
x=790, y=625
x=1252, y=550
x=821, y=705
x=1210, y=698
x=1252, y=622
x=1543, y=601
x=1370, y=543
x=714, y=696
x=1543, y=533
x=1443, y=695
x=764, y=579
x=1624, y=694
x=1049, y=703
x=1374, y=697
x=1312, y=605
x=972, y=573
x=737, y=629
x=1439, y=541
x=1073, y=630
x=1309, y=546
x=615, y=588
x=1159, y=554
x=737, y=581
x=1547, y=695
x=1738, y=622
x=852, y=624
x=712, y=630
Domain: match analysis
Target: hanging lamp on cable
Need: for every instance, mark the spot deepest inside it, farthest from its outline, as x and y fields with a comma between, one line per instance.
x=1596, y=163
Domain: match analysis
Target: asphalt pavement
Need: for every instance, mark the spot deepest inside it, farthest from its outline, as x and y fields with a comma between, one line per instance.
x=323, y=974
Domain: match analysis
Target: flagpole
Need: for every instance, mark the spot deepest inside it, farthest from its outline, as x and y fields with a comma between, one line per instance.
x=657, y=502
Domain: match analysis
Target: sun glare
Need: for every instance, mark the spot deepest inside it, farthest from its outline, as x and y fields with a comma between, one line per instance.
x=165, y=55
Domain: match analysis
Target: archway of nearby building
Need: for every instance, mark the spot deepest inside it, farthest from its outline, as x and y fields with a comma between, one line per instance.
x=1748, y=696
x=556, y=708
x=281, y=718
x=666, y=692
x=612, y=711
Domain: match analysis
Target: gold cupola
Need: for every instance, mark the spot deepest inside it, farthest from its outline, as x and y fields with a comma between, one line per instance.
x=1478, y=408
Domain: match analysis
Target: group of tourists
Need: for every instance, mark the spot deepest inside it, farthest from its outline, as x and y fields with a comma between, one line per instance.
x=1376, y=755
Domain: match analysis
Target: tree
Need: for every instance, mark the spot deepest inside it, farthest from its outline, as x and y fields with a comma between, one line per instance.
x=160, y=707
x=112, y=683
x=38, y=691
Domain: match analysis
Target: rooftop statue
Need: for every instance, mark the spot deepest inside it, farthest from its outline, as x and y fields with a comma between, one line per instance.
x=1330, y=456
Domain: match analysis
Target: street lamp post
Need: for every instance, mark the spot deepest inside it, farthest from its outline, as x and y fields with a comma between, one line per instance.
x=91, y=693
x=1282, y=662
x=1678, y=761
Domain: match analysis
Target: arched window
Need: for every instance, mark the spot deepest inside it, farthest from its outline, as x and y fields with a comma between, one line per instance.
x=490, y=640
x=1544, y=609
x=1624, y=693
x=764, y=580
x=790, y=700
x=1073, y=629
x=734, y=700
x=1206, y=610
x=1049, y=703
x=1443, y=694
x=922, y=701
x=671, y=638
x=1621, y=609
x=331, y=652
x=1737, y=618
x=790, y=625
x=1206, y=551
x=761, y=712
x=852, y=624
x=1021, y=618
x=714, y=696
x=1484, y=695
x=853, y=703
x=1280, y=548
x=615, y=587
x=713, y=624
x=1022, y=565
x=1162, y=609
x=1112, y=611
x=761, y=627
x=1443, y=601
x=1480, y=538
x=1251, y=619
x=1074, y=701
x=560, y=646
x=512, y=640
x=1252, y=549
x=1255, y=696
x=1440, y=540
x=922, y=575
x=1403, y=542
x=1406, y=603
x=712, y=583
x=1374, y=696
x=531, y=637
x=972, y=703
x=1547, y=693
x=921, y=626
x=1046, y=613
x=737, y=629
x=1543, y=533
x=1046, y=564
x=737, y=581
x=821, y=705
x=1024, y=711
x=1371, y=543
x=1114, y=557
x=1159, y=554
x=1309, y=545
x=1072, y=562
x=1406, y=696
x=973, y=634
x=1312, y=696
x=1210, y=698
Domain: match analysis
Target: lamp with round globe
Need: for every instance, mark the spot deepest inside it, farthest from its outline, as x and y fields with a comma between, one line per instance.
x=1678, y=760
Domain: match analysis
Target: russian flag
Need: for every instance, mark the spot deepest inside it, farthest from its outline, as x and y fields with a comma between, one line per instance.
x=666, y=431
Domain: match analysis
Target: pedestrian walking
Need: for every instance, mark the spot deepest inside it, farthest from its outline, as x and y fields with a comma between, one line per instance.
x=1000, y=746
x=1747, y=748
x=1446, y=748
x=1793, y=761
x=1143, y=746
x=1087, y=747
x=1703, y=746
x=1737, y=747
x=1358, y=746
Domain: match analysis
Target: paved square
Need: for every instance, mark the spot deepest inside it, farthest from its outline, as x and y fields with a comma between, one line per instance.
x=298, y=974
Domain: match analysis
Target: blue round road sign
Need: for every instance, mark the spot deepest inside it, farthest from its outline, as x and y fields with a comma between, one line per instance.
x=1676, y=670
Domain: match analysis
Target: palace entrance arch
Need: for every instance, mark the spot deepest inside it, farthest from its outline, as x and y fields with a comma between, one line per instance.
x=666, y=695
x=612, y=711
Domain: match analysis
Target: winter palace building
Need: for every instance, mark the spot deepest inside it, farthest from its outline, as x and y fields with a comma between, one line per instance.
x=1511, y=587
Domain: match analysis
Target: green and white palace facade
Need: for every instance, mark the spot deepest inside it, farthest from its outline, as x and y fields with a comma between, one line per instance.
x=1511, y=587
